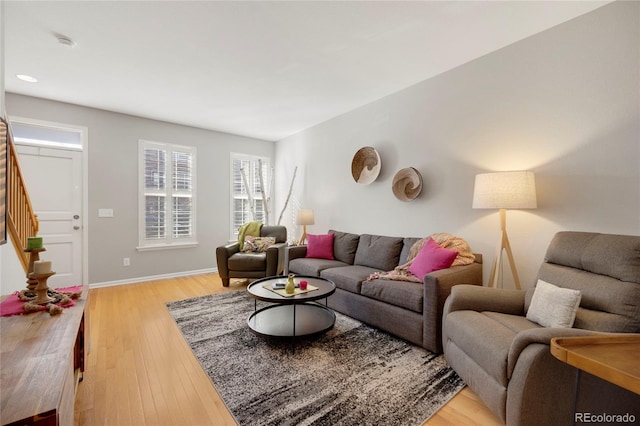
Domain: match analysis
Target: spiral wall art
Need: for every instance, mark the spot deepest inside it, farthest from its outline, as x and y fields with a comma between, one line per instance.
x=407, y=184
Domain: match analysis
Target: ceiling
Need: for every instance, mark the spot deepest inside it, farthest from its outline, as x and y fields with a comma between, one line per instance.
x=256, y=68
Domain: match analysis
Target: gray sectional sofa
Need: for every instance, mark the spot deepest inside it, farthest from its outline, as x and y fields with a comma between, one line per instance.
x=412, y=311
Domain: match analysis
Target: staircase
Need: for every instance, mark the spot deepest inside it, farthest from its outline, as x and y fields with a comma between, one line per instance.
x=22, y=222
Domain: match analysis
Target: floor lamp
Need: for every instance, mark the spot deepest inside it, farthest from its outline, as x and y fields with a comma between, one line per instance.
x=304, y=218
x=504, y=190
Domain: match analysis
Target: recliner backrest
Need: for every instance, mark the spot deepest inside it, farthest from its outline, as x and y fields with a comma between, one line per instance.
x=606, y=270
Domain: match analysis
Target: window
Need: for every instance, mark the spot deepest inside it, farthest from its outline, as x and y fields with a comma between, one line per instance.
x=167, y=191
x=248, y=201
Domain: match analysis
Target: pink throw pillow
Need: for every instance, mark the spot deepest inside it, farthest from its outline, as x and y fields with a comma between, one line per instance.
x=320, y=246
x=431, y=258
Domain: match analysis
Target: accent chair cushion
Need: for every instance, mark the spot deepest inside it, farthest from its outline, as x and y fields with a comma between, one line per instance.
x=257, y=244
x=431, y=258
x=320, y=246
x=247, y=261
x=553, y=306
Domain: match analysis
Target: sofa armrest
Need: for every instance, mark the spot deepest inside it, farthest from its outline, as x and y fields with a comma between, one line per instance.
x=541, y=335
x=275, y=259
x=293, y=252
x=437, y=287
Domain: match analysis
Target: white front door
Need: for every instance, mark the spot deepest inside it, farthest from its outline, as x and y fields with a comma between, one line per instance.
x=54, y=181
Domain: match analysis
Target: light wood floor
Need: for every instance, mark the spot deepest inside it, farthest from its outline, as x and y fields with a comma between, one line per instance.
x=140, y=371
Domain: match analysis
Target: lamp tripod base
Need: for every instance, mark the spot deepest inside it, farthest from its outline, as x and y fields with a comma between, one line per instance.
x=506, y=247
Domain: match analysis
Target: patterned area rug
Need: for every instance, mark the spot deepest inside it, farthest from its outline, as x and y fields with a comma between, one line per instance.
x=352, y=375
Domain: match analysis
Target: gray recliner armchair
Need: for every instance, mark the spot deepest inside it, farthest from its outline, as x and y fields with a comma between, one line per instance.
x=232, y=263
x=505, y=358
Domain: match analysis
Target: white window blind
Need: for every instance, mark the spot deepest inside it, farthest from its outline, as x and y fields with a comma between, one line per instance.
x=244, y=196
x=167, y=195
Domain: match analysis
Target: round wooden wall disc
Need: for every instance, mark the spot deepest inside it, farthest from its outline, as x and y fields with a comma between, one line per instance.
x=407, y=184
x=366, y=165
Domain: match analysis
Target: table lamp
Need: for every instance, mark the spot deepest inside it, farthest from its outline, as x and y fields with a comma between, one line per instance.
x=504, y=190
x=304, y=218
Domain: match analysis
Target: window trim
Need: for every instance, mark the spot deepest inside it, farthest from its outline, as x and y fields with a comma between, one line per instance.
x=169, y=242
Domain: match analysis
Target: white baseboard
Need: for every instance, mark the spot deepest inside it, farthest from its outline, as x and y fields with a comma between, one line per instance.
x=153, y=278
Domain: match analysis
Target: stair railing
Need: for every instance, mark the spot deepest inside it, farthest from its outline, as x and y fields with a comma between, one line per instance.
x=22, y=222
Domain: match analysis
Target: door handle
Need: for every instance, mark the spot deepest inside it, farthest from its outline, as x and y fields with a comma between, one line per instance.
x=76, y=227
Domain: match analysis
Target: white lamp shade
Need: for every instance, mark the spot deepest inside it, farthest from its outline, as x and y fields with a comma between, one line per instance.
x=505, y=190
x=305, y=217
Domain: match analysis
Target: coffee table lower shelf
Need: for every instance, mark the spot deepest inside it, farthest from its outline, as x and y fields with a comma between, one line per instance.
x=295, y=320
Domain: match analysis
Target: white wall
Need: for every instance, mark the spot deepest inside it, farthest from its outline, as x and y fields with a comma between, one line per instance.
x=113, y=180
x=564, y=103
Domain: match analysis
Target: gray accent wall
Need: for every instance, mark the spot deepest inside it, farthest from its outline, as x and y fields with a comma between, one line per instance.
x=113, y=184
x=564, y=103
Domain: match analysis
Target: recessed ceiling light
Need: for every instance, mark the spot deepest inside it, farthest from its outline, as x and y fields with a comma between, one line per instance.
x=27, y=78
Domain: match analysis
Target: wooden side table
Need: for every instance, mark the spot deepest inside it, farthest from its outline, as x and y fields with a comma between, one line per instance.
x=43, y=358
x=614, y=358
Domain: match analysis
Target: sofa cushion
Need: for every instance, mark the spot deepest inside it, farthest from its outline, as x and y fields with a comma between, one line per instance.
x=553, y=306
x=307, y=266
x=406, y=295
x=320, y=246
x=431, y=258
x=378, y=252
x=348, y=278
x=345, y=246
x=406, y=249
x=247, y=262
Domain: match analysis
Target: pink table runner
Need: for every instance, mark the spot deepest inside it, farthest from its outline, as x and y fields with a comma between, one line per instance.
x=12, y=305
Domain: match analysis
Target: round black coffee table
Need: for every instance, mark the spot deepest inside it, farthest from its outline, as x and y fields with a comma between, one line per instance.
x=292, y=316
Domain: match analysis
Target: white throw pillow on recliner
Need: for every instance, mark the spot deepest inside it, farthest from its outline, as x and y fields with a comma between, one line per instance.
x=553, y=306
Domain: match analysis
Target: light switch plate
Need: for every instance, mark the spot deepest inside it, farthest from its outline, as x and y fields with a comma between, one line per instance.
x=105, y=212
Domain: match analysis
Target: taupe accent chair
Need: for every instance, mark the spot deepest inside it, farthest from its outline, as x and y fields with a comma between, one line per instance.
x=232, y=263
x=505, y=358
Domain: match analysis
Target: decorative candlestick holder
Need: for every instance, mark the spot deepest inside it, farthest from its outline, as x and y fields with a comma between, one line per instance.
x=34, y=255
x=42, y=289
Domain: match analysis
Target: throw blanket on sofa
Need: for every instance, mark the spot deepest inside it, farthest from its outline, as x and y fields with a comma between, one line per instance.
x=249, y=228
x=401, y=273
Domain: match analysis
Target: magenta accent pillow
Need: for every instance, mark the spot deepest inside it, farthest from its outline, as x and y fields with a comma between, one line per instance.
x=320, y=246
x=431, y=258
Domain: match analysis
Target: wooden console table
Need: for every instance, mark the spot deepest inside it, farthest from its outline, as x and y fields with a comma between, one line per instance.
x=43, y=358
x=613, y=358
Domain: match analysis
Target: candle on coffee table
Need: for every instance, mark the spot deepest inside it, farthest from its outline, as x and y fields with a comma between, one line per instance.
x=42, y=266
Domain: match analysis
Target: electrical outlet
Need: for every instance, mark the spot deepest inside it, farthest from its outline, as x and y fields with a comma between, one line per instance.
x=126, y=261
